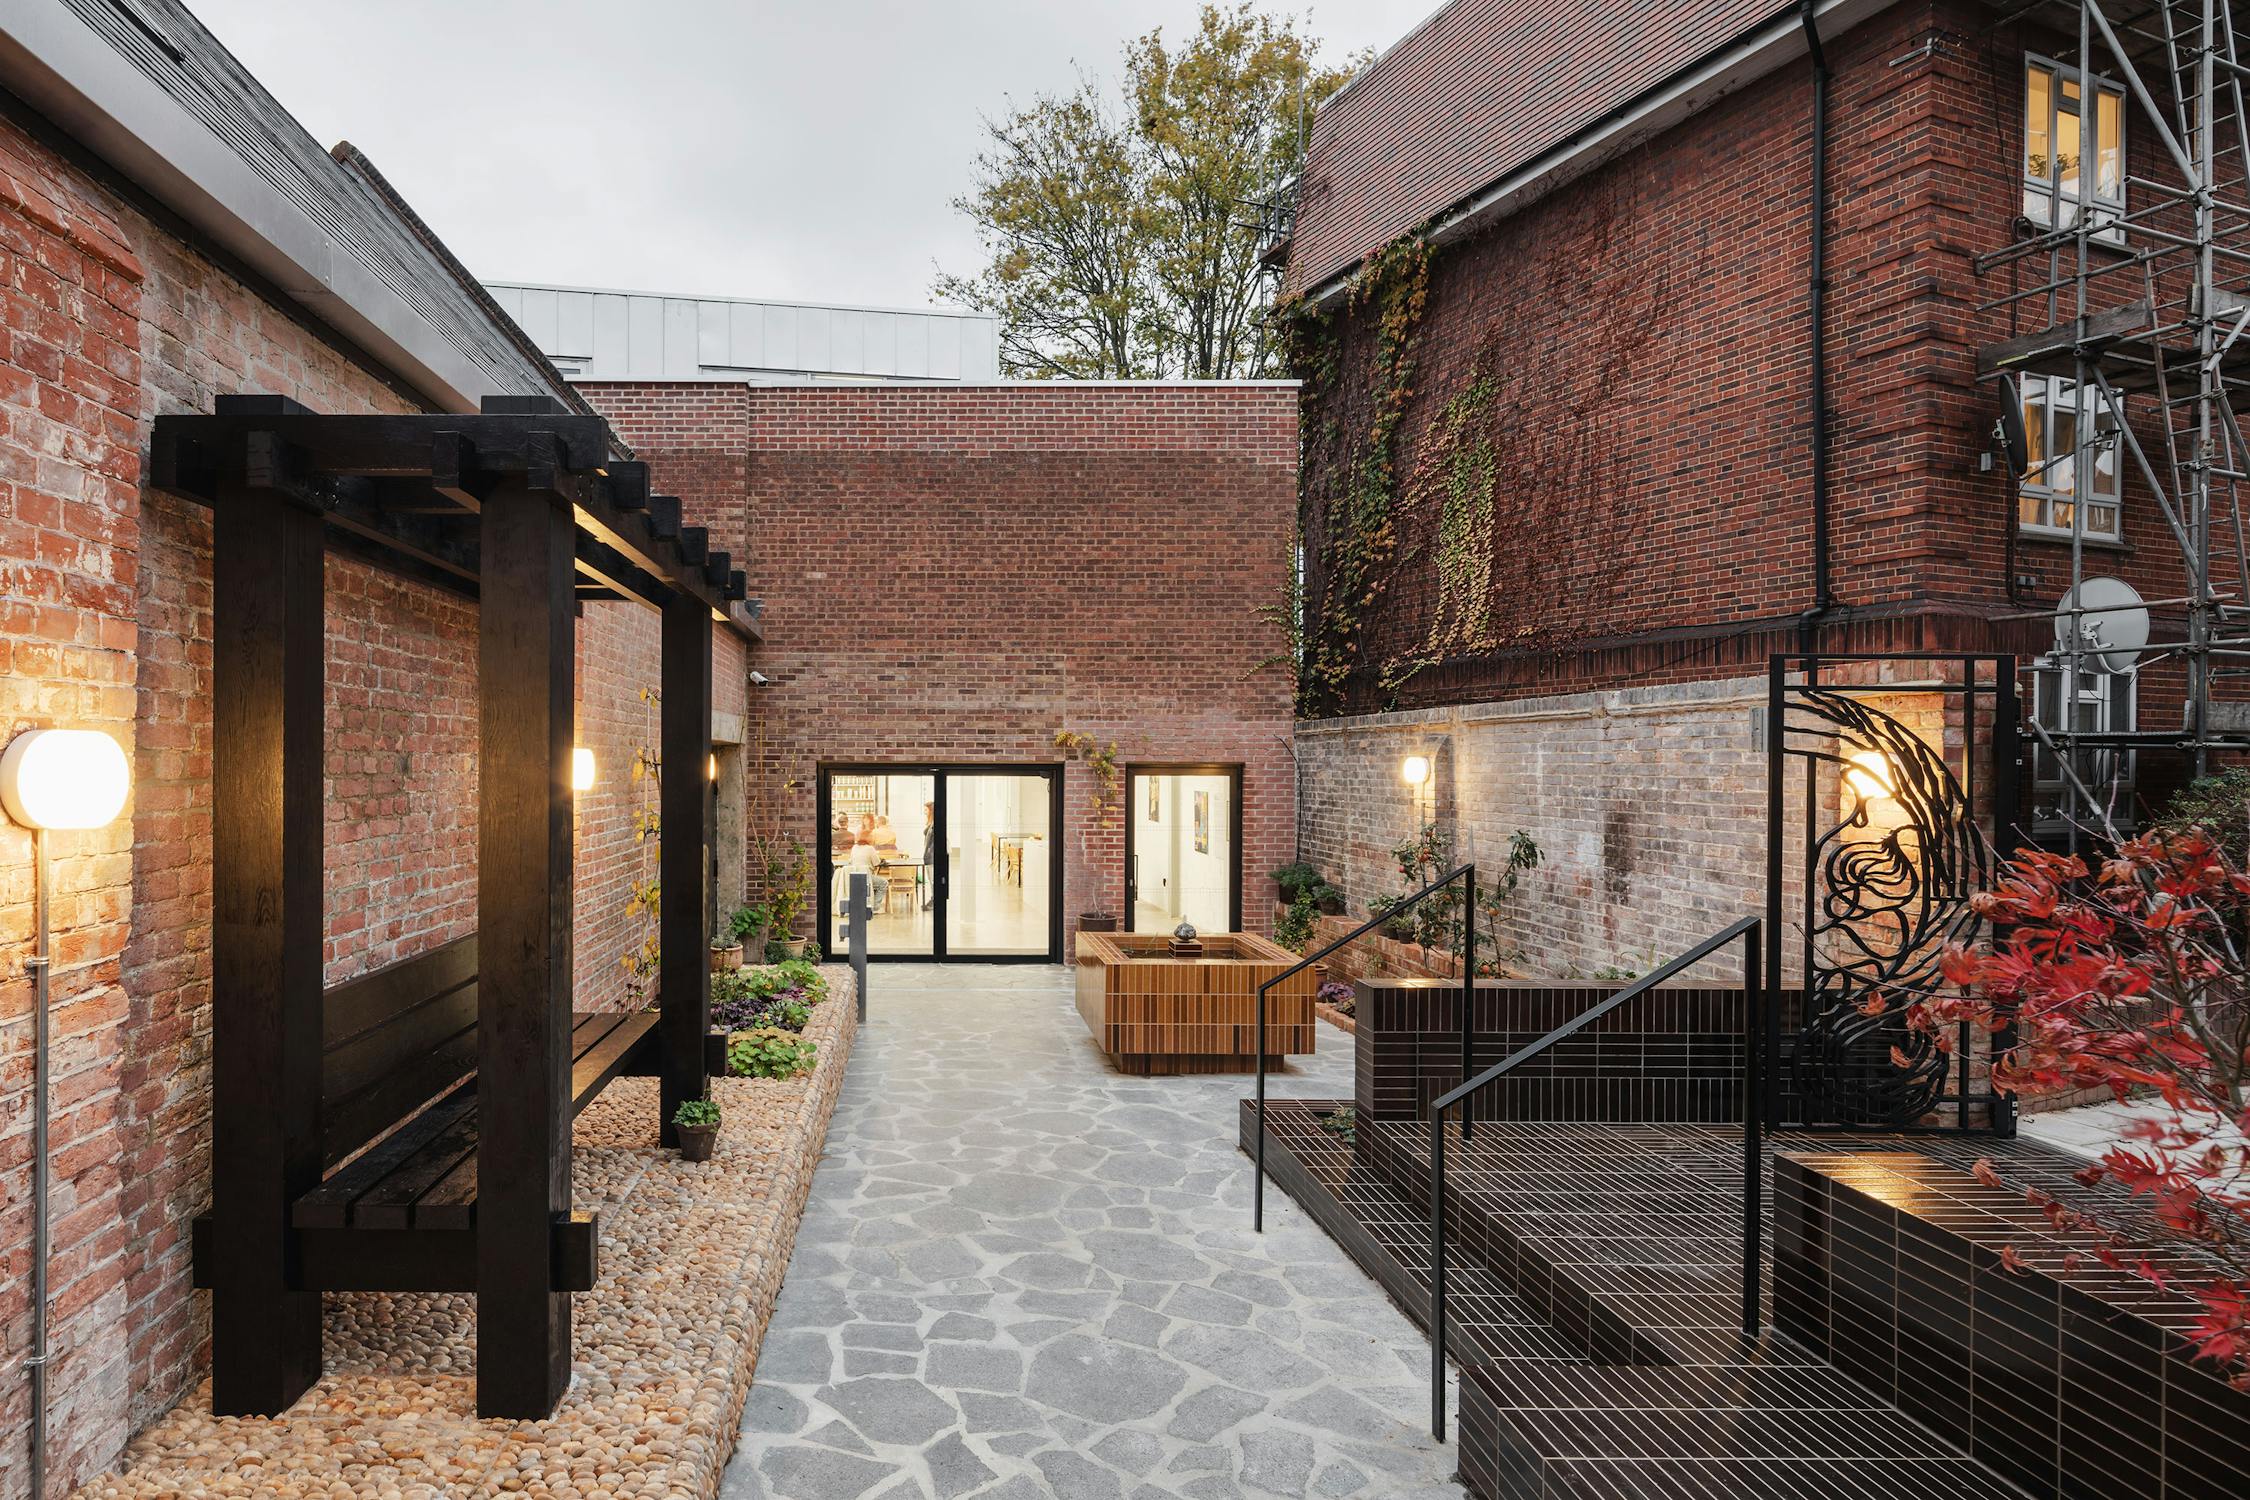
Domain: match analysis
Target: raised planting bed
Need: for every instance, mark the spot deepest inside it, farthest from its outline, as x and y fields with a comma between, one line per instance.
x=1157, y=1014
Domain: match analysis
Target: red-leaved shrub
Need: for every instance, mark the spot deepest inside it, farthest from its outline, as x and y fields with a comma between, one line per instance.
x=2131, y=978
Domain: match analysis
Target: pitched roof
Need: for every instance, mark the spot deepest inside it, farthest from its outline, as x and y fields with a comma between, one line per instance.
x=1479, y=89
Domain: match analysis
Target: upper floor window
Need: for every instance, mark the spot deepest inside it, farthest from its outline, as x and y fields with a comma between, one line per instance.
x=2084, y=700
x=2058, y=416
x=2060, y=127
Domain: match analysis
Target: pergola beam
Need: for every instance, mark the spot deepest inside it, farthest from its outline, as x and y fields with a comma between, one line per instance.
x=413, y=485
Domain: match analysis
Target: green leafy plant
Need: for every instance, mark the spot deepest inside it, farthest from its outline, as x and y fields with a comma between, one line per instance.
x=1294, y=930
x=1342, y=1123
x=2220, y=806
x=748, y=920
x=788, y=880
x=1295, y=879
x=696, y=1112
x=1436, y=922
x=768, y=1052
x=644, y=904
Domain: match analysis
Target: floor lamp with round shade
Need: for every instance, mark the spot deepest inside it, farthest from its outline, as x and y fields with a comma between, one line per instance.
x=52, y=779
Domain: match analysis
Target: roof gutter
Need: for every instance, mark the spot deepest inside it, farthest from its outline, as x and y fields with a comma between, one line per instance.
x=68, y=72
x=1694, y=88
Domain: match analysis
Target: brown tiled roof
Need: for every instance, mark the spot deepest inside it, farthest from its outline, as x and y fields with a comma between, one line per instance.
x=1477, y=90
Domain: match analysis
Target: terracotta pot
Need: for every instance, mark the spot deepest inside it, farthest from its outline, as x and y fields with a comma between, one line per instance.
x=729, y=957
x=1097, y=921
x=794, y=947
x=697, y=1142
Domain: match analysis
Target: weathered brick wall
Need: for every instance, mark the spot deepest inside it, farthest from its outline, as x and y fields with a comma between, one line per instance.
x=956, y=573
x=1648, y=804
x=105, y=621
x=617, y=659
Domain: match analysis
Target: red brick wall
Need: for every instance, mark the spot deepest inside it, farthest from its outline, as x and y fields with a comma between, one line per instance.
x=617, y=659
x=105, y=622
x=956, y=573
x=1646, y=329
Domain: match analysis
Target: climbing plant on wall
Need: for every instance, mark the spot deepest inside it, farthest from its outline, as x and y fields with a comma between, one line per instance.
x=1352, y=495
x=644, y=902
x=1455, y=474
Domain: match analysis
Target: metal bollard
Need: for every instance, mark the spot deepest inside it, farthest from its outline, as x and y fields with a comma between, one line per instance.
x=856, y=909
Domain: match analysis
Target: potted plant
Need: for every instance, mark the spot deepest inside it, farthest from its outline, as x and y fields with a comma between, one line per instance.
x=1329, y=899
x=726, y=953
x=789, y=873
x=697, y=1121
x=1101, y=808
x=1294, y=879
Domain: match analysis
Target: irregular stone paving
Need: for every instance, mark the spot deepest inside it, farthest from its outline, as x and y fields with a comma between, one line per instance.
x=1022, y=1275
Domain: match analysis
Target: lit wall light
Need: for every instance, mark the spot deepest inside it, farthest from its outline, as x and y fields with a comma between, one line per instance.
x=581, y=769
x=1870, y=777
x=711, y=767
x=1414, y=770
x=64, y=778
x=52, y=779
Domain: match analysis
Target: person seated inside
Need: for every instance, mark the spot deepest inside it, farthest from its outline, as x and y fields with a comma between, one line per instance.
x=865, y=857
x=840, y=837
x=881, y=834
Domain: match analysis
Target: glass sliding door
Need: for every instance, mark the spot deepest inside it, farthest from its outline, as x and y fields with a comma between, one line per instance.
x=882, y=823
x=1183, y=836
x=1000, y=848
x=962, y=860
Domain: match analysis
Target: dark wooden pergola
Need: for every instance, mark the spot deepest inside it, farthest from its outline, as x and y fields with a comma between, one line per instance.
x=410, y=1131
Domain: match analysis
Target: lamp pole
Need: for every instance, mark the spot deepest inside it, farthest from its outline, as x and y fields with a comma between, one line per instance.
x=36, y=1364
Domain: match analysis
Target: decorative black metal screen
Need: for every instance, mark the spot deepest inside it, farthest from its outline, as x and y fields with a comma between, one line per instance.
x=1891, y=792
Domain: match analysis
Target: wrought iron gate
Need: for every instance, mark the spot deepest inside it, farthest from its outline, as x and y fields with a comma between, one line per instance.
x=1901, y=773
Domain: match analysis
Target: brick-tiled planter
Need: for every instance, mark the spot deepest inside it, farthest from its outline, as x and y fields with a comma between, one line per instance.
x=1672, y=1054
x=2069, y=1381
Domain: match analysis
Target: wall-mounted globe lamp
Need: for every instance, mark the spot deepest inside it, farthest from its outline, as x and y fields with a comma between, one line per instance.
x=581, y=769
x=1415, y=770
x=50, y=779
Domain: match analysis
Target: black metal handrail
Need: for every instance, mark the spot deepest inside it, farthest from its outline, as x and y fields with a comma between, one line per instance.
x=1753, y=1086
x=1467, y=872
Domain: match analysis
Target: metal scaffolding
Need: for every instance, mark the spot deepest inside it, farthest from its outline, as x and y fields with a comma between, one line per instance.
x=2143, y=306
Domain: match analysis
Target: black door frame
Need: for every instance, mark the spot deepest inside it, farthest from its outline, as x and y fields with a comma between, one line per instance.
x=941, y=878
x=1233, y=773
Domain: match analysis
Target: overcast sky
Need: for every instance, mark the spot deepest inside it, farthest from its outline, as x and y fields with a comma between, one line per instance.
x=803, y=149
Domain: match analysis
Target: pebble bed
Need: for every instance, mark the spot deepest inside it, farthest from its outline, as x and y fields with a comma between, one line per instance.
x=691, y=1259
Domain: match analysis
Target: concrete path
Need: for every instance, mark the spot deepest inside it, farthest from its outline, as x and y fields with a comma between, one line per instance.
x=1022, y=1275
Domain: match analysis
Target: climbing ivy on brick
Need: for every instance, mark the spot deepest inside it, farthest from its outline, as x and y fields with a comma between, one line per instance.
x=1351, y=492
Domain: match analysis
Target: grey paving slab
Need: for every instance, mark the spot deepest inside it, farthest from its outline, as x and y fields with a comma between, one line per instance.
x=1023, y=1275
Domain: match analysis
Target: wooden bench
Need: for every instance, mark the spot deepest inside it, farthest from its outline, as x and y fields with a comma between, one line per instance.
x=396, y=1208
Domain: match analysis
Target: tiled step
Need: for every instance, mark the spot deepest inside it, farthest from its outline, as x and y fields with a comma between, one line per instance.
x=1555, y=1432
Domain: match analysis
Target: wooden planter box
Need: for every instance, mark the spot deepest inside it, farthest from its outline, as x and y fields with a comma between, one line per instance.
x=1155, y=1014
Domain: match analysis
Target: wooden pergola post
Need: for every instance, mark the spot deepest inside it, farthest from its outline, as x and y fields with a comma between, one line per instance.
x=525, y=674
x=268, y=638
x=689, y=828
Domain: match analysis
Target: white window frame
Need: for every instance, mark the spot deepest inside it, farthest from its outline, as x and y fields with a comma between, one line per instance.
x=2043, y=195
x=2036, y=489
x=2110, y=695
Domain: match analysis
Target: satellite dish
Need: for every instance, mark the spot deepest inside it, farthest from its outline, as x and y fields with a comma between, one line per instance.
x=2010, y=428
x=2111, y=622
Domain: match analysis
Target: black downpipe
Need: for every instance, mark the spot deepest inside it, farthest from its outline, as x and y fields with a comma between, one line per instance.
x=1824, y=594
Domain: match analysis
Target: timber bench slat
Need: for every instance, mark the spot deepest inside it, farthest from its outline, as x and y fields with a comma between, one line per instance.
x=424, y=1174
